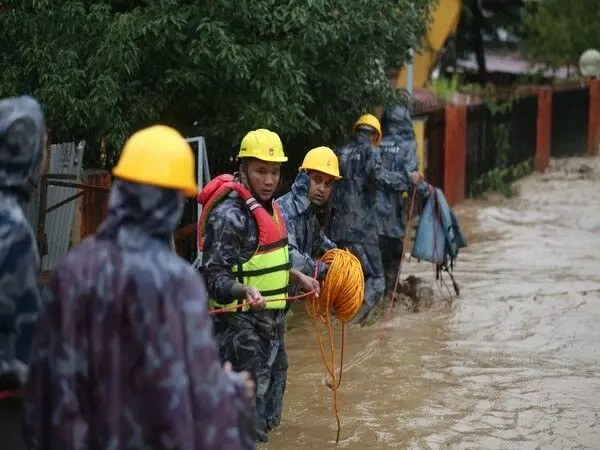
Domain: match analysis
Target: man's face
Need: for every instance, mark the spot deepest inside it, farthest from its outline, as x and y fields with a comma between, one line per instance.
x=319, y=188
x=368, y=133
x=263, y=178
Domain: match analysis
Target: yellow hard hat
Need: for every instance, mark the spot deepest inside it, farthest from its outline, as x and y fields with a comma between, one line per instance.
x=158, y=156
x=323, y=160
x=262, y=144
x=373, y=122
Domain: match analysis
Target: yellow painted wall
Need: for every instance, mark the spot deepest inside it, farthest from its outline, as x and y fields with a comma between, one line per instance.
x=419, y=127
x=444, y=22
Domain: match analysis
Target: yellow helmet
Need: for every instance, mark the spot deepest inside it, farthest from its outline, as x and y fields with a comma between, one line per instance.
x=158, y=156
x=373, y=122
x=262, y=144
x=323, y=160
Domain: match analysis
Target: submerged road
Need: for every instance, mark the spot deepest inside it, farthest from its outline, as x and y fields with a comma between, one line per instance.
x=513, y=363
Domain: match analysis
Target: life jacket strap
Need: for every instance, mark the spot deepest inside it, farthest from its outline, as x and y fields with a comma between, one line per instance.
x=240, y=273
x=273, y=245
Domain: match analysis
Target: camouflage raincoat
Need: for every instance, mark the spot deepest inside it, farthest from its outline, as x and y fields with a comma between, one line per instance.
x=354, y=222
x=21, y=153
x=398, y=151
x=123, y=357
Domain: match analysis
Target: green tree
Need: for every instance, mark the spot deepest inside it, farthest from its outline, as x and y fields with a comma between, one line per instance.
x=211, y=68
x=479, y=30
x=558, y=31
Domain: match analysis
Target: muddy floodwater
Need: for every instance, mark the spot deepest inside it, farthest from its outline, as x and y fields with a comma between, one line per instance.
x=513, y=363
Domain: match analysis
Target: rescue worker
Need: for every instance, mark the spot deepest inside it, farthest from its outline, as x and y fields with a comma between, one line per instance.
x=22, y=152
x=398, y=150
x=353, y=224
x=123, y=356
x=245, y=257
x=310, y=192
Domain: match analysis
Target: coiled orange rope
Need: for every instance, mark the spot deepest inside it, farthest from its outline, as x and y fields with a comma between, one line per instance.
x=342, y=291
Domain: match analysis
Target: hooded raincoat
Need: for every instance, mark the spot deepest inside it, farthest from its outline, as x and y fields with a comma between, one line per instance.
x=123, y=356
x=21, y=152
x=307, y=241
x=398, y=151
x=353, y=223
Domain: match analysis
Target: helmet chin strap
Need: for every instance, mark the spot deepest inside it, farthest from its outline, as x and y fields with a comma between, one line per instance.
x=246, y=182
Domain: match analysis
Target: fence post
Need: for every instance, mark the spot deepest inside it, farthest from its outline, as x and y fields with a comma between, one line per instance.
x=594, y=118
x=455, y=153
x=543, y=129
x=94, y=208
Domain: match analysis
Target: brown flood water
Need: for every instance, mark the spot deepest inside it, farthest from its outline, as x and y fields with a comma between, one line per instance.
x=513, y=363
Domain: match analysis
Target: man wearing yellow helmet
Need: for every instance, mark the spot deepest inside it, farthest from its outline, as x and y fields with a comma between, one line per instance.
x=353, y=223
x=123, y=355
x=310, y=192
x=245, y=262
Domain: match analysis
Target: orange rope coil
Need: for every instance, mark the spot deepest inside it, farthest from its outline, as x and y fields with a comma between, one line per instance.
x=343, y=292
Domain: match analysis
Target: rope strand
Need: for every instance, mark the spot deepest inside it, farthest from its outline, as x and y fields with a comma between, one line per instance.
x=247, y=303
x=343, y=291
x=392, y=296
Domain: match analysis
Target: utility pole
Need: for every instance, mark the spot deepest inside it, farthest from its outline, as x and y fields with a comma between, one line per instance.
x=410, y=73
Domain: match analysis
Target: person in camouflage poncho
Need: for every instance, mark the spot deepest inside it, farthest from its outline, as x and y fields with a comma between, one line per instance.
x=123, y=357
x=22, y=152
x=353, y=223
x=398, y=151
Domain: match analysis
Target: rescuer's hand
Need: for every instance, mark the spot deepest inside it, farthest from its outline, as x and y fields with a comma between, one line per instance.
x=254, y=296
x=416, y=177
x=309, y=284
x=246, y=378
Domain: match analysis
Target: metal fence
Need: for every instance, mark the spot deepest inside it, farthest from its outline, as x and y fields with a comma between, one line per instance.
x=522, y=123
x=498, y=138
x=435, y=132
x=56, y=210
x=570, y=111
x=481, y=155
x=69, y=204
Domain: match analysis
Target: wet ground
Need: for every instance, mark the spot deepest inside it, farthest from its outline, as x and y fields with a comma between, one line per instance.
x=513, y=363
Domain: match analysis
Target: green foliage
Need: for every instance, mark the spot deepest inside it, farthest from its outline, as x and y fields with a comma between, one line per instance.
x=444, y=88
x=214, y=68
x=559, y=31
x=479, y=28
x=500, y=179
x=489, y=96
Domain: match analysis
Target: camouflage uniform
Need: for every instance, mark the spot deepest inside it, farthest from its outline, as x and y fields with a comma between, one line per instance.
x=398, y=150
x=306, y=239
x=251, y=341
x=123, y=356
x=21, y=150
x=352, y=224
